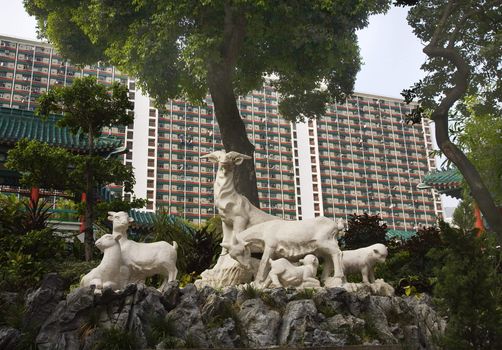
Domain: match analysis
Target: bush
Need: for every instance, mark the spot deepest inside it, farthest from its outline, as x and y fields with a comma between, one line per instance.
x=408, y=267
x=469, y=288
x=364, y=230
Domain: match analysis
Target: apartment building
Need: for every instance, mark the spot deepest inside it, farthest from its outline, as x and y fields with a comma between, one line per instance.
x=168, y=144
x=359, y=157
x=363, y=157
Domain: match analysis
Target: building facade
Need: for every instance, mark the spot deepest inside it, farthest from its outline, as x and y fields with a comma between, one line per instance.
x=363, y=157
x=359, y=157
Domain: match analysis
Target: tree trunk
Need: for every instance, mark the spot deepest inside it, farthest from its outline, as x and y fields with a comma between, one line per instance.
x=440, y=117
x=89, y=203
x=233, y=130
x=478, y=189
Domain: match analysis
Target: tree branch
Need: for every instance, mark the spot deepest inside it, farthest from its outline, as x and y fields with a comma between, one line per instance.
x=444, y=18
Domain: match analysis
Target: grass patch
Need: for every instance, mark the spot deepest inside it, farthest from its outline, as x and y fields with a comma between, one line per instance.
x=306, y=293
x=116, y=339
x=161, y=329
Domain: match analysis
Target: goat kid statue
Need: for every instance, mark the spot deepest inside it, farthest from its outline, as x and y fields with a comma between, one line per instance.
x=144, y=259
x=111, y=271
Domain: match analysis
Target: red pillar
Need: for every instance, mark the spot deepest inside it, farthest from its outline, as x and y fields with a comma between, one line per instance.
x=34, y=195
x=479, y=220
x=82, y=217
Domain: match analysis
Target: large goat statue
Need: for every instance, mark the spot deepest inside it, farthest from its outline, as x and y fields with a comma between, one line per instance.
x=292, y=240
x=236, y=211
x=144, y=259
x=237, y=214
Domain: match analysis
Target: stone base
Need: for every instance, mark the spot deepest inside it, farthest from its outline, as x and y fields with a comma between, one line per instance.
x=235, y=318
x=379, y=287
x=227, y=272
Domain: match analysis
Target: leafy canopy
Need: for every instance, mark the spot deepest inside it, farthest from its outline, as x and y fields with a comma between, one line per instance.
x=87, y=105
x=309, y=47
x=481, y=138
x=473, y=29
x=67, y=171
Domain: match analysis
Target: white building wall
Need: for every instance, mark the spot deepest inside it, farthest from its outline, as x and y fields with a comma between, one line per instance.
x=140, y=143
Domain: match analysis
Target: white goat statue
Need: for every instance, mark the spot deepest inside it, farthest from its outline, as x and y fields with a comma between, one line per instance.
x=291, y=240
x=111, y=272
x=236, y=212
x=144, y=259
x=284, y=274
x=363, y=260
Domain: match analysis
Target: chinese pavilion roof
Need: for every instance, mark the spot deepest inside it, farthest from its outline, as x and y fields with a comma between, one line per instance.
x=18, y=124
x=447, y=181
x=145, y=219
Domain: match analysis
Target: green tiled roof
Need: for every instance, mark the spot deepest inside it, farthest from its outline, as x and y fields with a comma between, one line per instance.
x=400, y=234
x=145, y=219
x=445, y=181
x=17, y=124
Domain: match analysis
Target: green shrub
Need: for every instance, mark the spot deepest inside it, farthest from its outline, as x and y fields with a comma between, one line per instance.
x=408, y=267
x=116, y=339
x=161, y=328
x=364, y=230
x=469, y=288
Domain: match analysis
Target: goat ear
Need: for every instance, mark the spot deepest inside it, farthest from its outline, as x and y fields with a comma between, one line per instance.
x=237, y=158
x=213, y=157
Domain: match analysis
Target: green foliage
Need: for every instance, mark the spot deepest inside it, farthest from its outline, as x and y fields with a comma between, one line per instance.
x=172, y=47
x=32, y=158
x=160, y=328
x=472, y=28
x=251, y=292
x=205, y=246
x=408, y=266
x=481, y=139
x=116, y=339
x=469, y=289
x=463, y=216
x=37, y=214
x=11, y=214
x=87, y=105
x=364, y=230
x=25, y=258
x=306, y=293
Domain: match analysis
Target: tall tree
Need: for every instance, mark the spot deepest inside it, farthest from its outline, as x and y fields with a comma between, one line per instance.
x=68, y=172
x=186, y=48
x=89, y=106
x=463, y=43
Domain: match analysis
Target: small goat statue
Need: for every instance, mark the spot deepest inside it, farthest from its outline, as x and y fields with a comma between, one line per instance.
x=363, y=260
x=144, y=259
x=284, y=274
x=111, y=272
